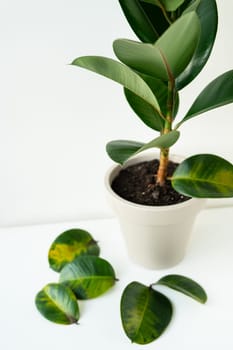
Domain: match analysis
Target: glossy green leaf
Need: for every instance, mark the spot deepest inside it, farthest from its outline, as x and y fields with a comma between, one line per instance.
x=58, y=304
x=88, y=276
x=121, y=150
x=218, y=93
x=70, y=244
x=144, y=110
x=191, y=6
x=148, y=21
x=139, y=20
x=184, y=285
x=204, y=175
x=119, y=73
x=163, y=141
x=208, y=16
x=162, y=59
x=145, y=313
x=169, y=5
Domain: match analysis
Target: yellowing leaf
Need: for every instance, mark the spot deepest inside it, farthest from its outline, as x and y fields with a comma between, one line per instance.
x=145, y=313
x=58, y=304
x=70, y=244
x=88, y=276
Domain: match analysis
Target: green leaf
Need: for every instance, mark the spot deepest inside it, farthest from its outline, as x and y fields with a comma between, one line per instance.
x=121, y=150
x=163, y=141
x=88, y=276
x=162, y=59
x=144, y=111
x=208, y=15
x=139, y=20
x=218, y=93
x=145, y=313
x=70, y=244
x=169, y=5
x=191, y=6
x=184, y=285
x=119, y=73
x=58, y=304
x=204, y=176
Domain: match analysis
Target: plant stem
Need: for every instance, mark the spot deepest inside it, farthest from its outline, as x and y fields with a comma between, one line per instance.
x=163, y=163
x=164, y=152
x=165, y=14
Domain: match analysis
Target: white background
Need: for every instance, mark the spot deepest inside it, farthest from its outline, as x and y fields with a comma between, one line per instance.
x=56, y=119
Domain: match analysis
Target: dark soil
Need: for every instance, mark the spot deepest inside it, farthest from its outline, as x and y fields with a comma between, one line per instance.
x=137, y=183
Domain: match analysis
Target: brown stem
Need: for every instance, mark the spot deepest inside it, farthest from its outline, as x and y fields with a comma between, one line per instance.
x=165, y=13
x=163, y=163
x=164, y=153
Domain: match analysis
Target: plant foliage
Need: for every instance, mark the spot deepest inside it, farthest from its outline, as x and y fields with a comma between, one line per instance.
x=58, y=304
x=83, y=275
x=176, y=39
x=204, y=175
x=69, y=245
x=88, y=276
x=146, y=313
x=184, y=285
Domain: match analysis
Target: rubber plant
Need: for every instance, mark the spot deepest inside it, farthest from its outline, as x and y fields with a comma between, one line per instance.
x=176, y=38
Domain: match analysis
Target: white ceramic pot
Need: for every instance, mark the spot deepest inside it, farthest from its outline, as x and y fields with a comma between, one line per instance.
x=156, y=236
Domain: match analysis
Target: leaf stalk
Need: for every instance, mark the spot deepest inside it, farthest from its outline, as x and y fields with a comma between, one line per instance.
x=165, y=13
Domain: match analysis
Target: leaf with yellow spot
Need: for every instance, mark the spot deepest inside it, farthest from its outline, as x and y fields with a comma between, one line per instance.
x=204, y=176
x=69, y=245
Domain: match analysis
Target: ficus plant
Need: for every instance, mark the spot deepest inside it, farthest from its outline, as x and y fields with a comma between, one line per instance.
x=176, y=38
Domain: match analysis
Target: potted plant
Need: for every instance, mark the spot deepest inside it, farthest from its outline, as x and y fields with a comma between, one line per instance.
x=176, y=39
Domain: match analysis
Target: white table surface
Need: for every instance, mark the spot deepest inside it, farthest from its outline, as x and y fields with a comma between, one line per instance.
x=24, y=271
